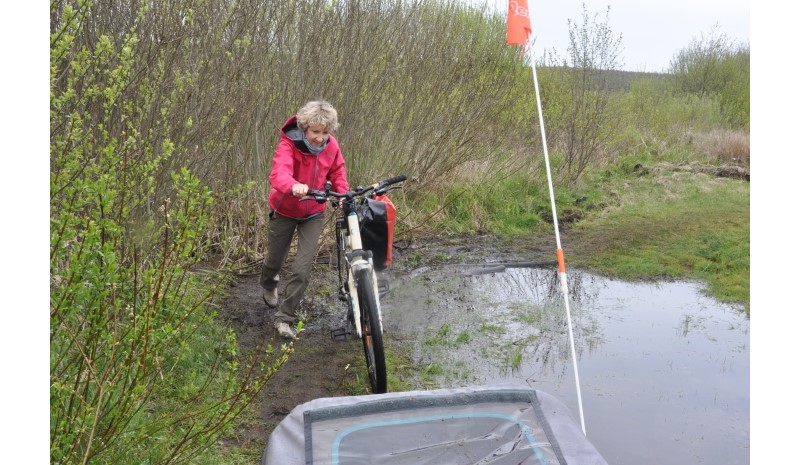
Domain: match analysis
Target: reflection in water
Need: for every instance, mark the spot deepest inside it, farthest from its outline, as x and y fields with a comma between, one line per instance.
x=664, y=370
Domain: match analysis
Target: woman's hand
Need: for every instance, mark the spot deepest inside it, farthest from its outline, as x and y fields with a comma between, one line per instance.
x=299, y=190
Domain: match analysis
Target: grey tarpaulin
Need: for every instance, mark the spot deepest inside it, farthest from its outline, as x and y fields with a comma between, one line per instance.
x=496, y=425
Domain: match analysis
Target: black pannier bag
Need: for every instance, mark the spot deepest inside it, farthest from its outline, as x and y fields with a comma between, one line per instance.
x=376, y=220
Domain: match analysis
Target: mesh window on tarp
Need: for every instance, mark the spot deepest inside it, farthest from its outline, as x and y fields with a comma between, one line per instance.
x=461, y=426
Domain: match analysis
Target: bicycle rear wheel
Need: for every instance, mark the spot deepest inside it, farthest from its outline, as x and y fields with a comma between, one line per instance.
x=341, y=262
x=343, y=267
x=371, y=334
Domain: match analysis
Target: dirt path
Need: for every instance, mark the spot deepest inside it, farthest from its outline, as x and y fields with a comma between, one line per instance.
x=315, y=369
x=319, y=365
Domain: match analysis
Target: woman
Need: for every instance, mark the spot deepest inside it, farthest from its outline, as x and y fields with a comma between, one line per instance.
x=307, y=155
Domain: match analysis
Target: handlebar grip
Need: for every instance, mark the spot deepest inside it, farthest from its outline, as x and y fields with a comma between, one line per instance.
x=393, y=180
x=318, y=196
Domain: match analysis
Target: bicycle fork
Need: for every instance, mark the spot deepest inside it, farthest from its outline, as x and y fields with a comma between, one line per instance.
x=359, y=264
x=357, y=260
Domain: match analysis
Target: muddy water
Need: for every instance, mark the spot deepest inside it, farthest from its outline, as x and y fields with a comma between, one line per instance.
x=663, y=369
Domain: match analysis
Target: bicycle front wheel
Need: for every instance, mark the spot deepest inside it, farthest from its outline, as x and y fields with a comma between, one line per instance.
x=371, y=334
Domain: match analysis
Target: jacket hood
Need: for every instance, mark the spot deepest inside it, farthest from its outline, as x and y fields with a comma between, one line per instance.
x=291, y=130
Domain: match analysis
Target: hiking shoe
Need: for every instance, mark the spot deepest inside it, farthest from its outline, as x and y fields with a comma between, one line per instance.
x=285, y=331
x=271, y=297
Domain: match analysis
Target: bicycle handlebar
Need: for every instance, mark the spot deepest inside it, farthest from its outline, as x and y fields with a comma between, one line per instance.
x=379, y=187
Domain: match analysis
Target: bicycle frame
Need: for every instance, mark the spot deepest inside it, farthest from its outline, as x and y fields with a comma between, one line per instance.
x=361, y=290
x=356, y=258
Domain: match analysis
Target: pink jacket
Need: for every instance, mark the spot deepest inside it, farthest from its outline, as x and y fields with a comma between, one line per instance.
x=293, y=163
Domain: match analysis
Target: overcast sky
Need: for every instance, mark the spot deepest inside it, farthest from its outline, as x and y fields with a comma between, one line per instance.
x=652, y=30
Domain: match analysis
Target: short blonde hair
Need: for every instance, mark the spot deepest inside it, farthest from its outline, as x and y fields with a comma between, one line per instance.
x=318, y=112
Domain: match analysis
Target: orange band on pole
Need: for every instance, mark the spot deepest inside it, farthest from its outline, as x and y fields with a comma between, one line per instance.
x=562, y=268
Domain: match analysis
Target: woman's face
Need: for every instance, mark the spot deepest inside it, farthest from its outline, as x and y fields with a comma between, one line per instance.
x=317, y=135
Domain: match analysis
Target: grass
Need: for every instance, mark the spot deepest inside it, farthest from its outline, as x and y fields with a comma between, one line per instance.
x=528, y=314
x=636, y=219
x=449, y=372
x=681, y=225
x=509, y=206
x=399, y=369
x=513, y=360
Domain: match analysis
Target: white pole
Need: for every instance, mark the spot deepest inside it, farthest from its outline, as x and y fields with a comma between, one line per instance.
x=562, y=272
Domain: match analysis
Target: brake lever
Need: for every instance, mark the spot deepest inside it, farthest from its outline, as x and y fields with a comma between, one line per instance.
x=317, y=196
x=386, y=189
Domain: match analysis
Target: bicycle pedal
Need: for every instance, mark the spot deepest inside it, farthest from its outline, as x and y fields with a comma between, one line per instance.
x=340, y=334
x=383, y=286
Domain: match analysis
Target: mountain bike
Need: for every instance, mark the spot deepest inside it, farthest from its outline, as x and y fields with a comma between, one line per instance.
x=358, y=281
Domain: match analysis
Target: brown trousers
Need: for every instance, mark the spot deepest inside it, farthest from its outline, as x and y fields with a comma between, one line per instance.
x=281, y=233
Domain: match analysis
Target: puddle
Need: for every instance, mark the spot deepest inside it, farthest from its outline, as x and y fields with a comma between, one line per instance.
x=664, y=370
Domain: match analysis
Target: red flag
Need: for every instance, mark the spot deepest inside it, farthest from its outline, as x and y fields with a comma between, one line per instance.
x=519, y=23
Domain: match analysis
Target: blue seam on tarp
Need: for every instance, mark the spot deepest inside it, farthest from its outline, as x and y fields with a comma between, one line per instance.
x=353, y=429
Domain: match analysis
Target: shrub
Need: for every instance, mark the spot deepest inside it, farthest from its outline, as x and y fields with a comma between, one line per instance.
x=140, y=369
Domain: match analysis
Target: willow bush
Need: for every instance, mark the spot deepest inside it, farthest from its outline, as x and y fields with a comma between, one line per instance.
x=579, y=101
x=141, y=371
x=713, y=66
x=425, y=88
